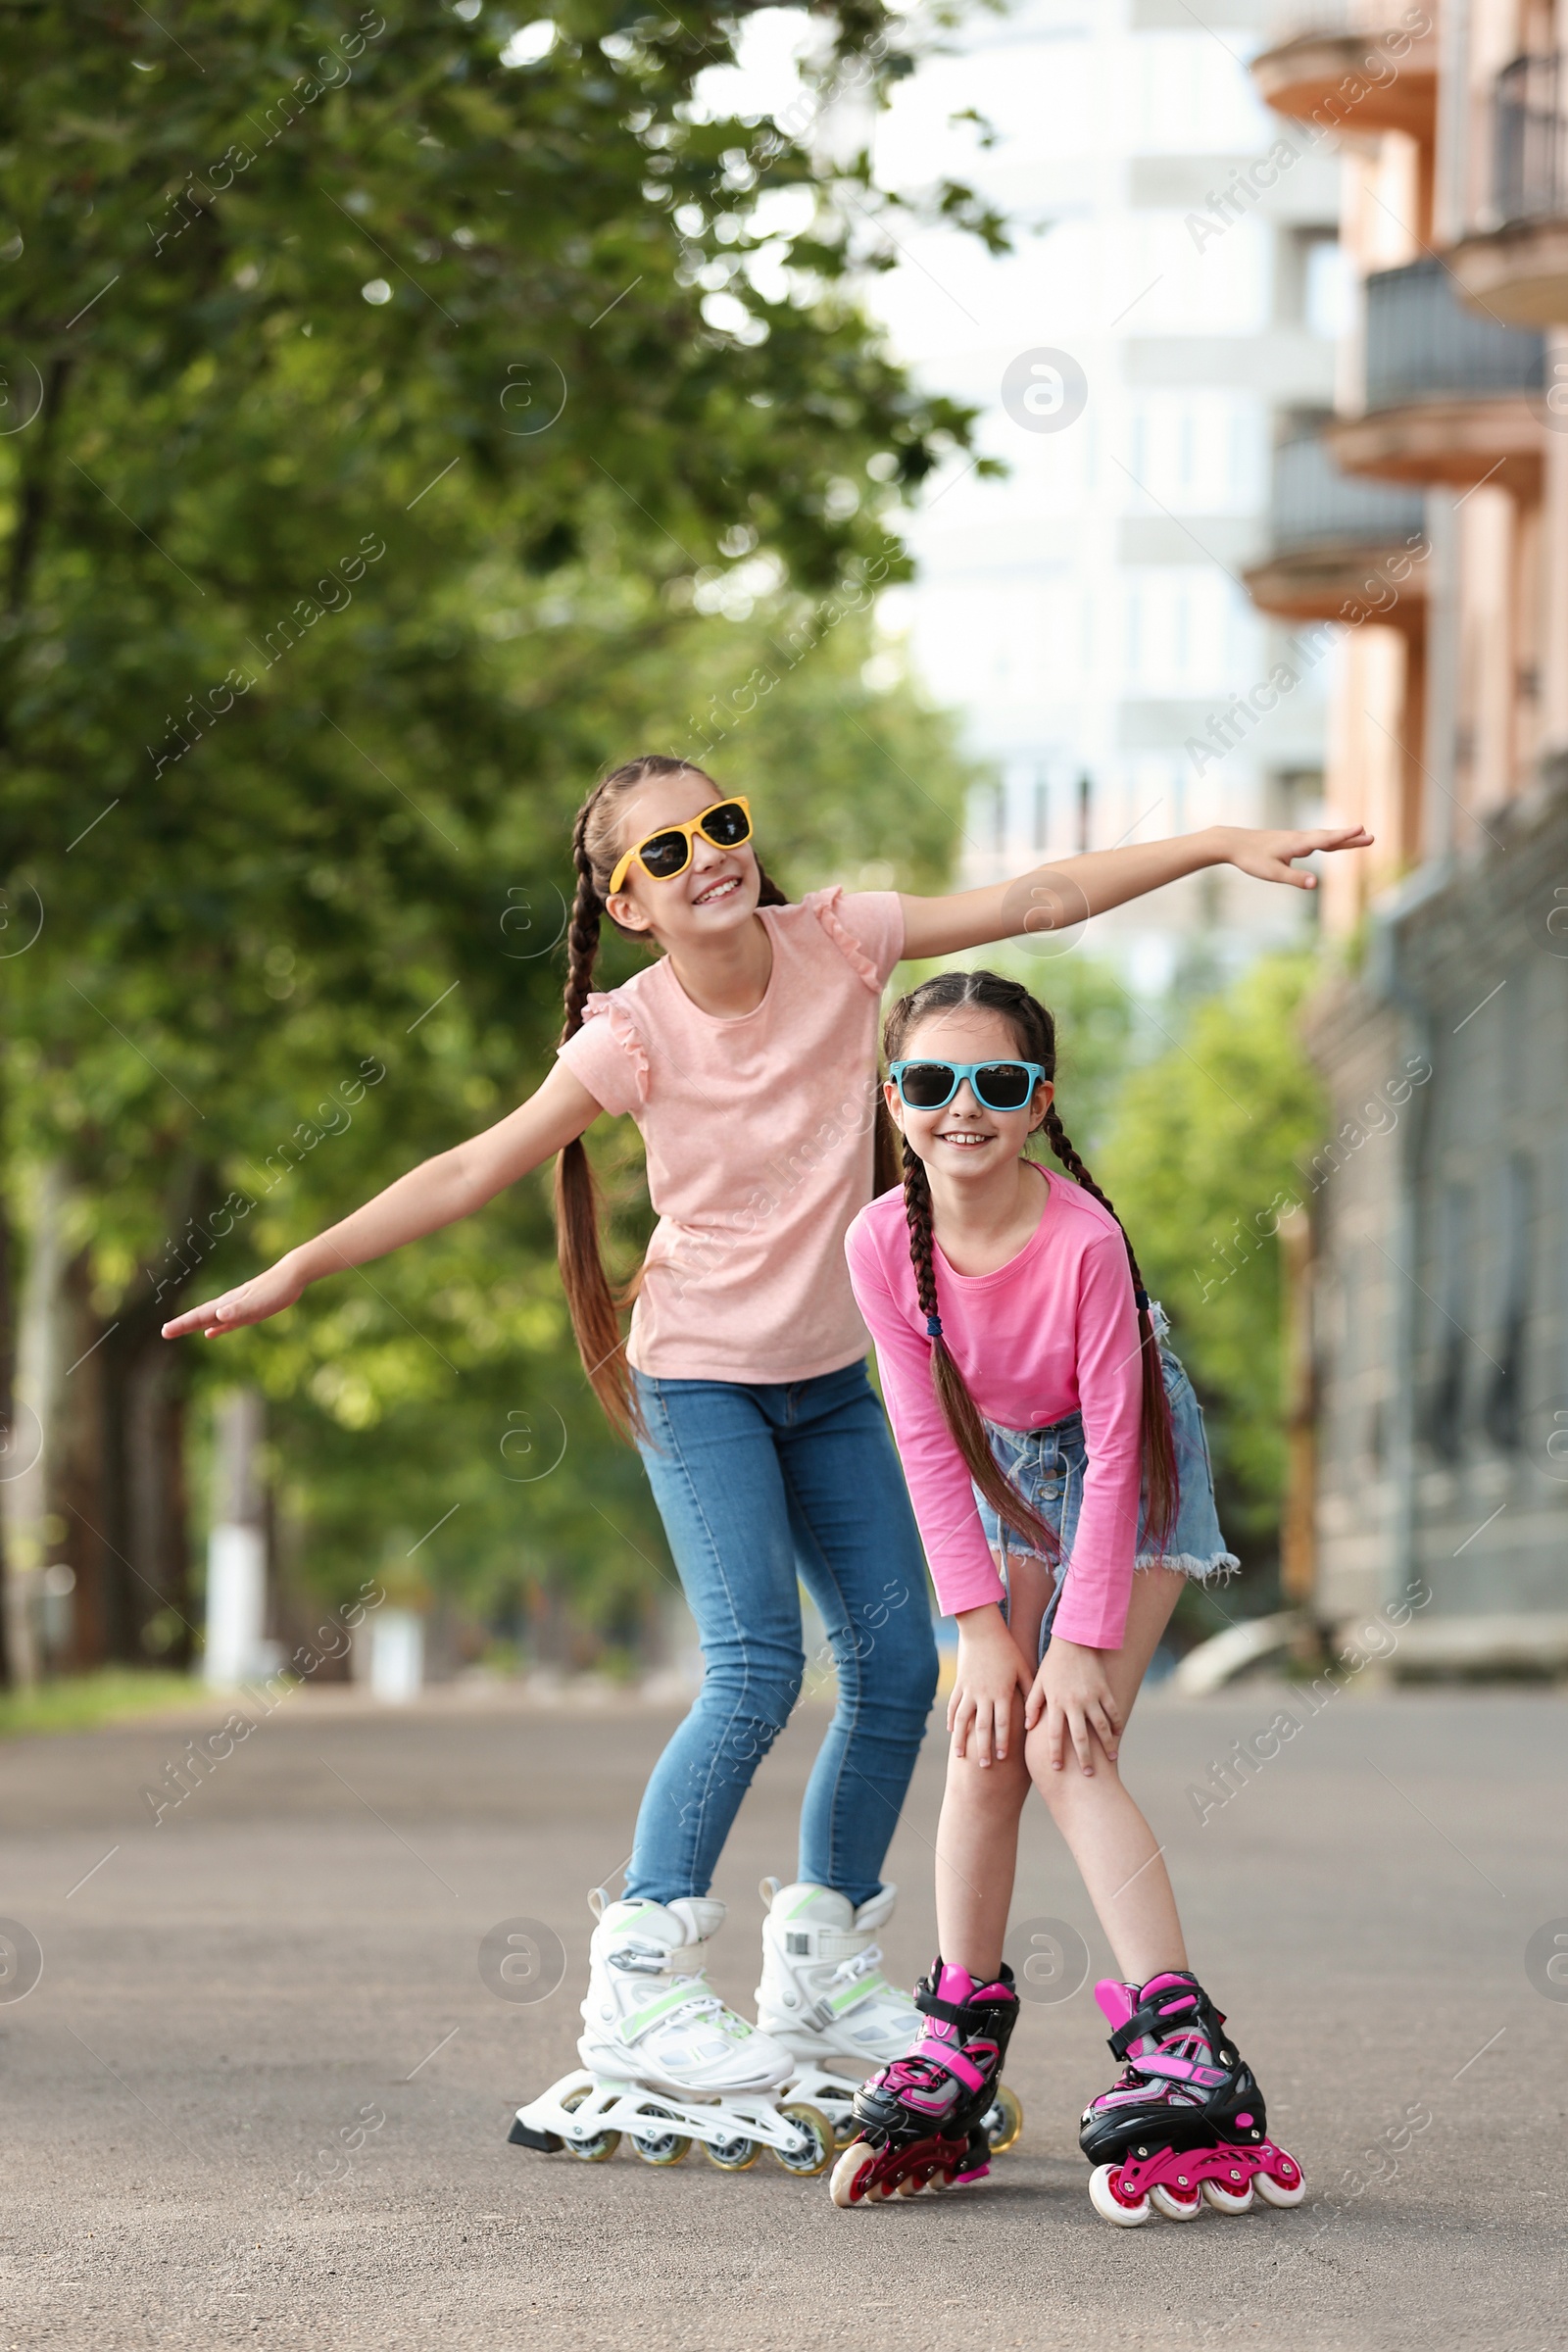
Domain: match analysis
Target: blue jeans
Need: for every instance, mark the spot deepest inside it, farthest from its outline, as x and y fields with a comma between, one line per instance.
x=762, y=1488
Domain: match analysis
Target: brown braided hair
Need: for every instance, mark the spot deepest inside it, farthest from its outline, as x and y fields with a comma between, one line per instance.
x=596, y=1308
x=1035, y=1032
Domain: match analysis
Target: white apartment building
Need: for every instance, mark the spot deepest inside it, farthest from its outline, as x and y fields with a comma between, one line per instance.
x=1167, y=316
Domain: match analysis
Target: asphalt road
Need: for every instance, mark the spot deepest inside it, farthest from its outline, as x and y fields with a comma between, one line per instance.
x=230, y=1998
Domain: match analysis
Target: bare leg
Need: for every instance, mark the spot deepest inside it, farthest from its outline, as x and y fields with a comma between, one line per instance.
x=977, y=1835
x=1116, y=1852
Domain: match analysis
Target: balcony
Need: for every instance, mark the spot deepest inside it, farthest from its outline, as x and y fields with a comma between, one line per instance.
x=1452, y=397
x=1515, y=266
x=1352, y=64
x=1333, y=540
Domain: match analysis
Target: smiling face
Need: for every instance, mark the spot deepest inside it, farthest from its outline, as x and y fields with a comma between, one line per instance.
x=715, y=895
x=965, y=1141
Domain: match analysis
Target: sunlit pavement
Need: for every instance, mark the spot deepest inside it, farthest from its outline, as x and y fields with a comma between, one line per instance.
x=230, y=2001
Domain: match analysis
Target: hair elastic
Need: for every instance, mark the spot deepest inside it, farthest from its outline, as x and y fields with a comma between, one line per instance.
x=933, y=1327
x=1140, y=1302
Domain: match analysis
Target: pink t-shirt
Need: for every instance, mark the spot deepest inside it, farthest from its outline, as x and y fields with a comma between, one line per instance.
x=1053, y=1331
x=759, y=1140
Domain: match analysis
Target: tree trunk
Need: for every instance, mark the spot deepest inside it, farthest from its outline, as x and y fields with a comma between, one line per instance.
x=146, y=1579
x=38, y=1495
x=10, y=1451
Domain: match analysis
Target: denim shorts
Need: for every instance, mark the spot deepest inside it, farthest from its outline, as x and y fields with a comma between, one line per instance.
x=1047, y=1467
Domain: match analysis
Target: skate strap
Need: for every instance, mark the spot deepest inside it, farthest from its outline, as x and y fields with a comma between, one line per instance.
x=854, y=1982
x=1163, y=2066
x=691, y=1994
x=1171, y=2013
x=967, y=2017
x=927, y=2058
x=826, y=1943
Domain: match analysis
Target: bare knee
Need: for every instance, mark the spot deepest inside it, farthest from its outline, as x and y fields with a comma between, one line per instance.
x=1066, y=1793
x=983, y=1790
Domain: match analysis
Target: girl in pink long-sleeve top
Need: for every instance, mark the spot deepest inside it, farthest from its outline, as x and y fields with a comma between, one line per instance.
x=1056, y=1457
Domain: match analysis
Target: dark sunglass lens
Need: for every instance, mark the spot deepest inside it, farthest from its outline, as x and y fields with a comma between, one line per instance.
x=1004, y=1085
x=926, y=1084
x=665, y=854
x=728, y=826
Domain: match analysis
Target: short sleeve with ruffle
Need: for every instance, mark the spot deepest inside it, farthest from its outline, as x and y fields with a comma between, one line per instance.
x=607, y=1055
x=867, y=926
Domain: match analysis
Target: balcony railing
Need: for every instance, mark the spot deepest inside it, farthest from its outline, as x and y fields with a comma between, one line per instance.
x=1423, y=344
x=1530, y=140
x=1330, y=19
x=1313, y=504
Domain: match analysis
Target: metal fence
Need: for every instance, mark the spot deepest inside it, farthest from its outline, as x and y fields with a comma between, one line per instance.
x=1313, y=504
x=1528, y=155
x=1423, y=344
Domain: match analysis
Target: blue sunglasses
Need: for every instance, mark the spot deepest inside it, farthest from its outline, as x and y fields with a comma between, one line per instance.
x=998, y=1084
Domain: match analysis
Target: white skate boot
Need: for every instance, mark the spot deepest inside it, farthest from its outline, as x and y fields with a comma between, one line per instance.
x=824, y=1996
x=665, y=2060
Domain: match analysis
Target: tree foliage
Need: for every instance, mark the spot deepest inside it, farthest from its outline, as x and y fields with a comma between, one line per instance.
x=1203, y=1152
x=396, y=435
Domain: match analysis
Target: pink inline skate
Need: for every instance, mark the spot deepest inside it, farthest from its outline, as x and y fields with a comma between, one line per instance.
x=1185, y=2124
x=934, y=2117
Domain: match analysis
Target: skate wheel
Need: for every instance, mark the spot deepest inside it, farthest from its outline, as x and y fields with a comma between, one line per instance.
x=1004, y=2121
x=817, y=2133
x=1106, y=2198
x=1283, y=2186
x=659, y=2147
x=736, y=2155
x=1175, y=2202
x=1226, y=2196
x=594, y=2148
x=847, y=2173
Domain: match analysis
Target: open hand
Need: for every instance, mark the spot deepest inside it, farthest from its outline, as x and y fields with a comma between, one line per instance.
x=1268, y=854
x=251, y=1303
x=990, y=1668
x=1072, y=1697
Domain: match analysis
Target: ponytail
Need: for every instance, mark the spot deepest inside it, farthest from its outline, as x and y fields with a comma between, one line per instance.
x=594, y=1304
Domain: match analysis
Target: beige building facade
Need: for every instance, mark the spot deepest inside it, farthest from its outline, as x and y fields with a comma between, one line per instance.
x=1420, y=532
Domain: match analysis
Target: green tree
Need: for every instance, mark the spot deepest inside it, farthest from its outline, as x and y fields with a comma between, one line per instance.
x=383, y=417
x=1202, y=1155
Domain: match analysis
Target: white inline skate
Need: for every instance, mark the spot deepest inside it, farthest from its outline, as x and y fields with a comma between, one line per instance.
x=824, y=1996
x=663, y=2059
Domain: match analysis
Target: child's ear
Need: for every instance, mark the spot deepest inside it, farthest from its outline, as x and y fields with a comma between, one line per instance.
x=624, y=912
x=891, y=1096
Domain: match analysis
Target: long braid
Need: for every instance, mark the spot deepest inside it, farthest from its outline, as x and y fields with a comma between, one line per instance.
x=1159, y=1440
x=594, y=1308
x=958, y=1407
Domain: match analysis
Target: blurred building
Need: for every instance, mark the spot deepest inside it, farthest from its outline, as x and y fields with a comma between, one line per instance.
x=1427, y=519
x=1170, y=304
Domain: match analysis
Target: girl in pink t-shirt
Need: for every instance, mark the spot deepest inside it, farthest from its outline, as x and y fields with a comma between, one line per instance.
x=1049, y=1441
x=747, y=1054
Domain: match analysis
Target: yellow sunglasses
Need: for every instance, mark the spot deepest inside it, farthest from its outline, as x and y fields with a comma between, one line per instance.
x=669, y=852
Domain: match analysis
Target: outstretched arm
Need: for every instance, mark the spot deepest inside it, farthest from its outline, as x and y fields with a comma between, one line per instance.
x=437, y=1192
x=1053, y=898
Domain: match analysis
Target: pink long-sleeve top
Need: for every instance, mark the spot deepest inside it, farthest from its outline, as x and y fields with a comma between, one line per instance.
x=1053, y=1331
